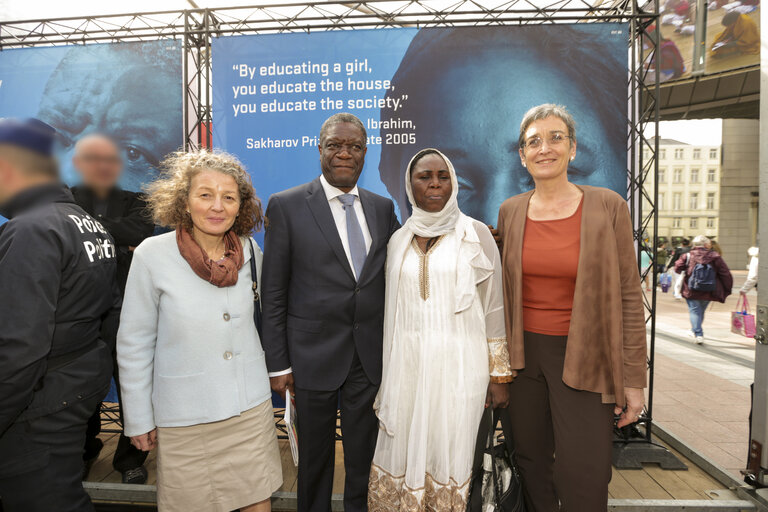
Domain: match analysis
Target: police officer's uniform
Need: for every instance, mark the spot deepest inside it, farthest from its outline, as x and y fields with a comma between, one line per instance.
x=57, y=275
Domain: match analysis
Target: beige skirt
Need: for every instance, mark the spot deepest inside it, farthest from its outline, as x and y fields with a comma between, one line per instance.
x=220, y=466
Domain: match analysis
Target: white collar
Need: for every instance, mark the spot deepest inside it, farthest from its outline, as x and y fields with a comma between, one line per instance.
x=332, y=192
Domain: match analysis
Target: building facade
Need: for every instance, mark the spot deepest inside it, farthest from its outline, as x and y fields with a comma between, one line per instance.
x=689, y=190
x=739, y=189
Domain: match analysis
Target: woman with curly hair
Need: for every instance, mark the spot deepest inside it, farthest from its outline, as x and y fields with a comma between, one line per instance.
x=192, y=372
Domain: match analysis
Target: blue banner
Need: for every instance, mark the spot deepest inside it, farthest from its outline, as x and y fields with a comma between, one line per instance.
x=461, y=90
x=129, y=91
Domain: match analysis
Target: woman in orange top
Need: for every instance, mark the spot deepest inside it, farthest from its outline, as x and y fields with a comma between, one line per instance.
x=575, y=322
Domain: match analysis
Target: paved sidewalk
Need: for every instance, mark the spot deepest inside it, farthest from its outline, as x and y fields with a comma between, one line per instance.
x=701, y=393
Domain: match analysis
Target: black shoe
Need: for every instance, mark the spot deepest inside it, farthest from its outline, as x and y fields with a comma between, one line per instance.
x=135, y=476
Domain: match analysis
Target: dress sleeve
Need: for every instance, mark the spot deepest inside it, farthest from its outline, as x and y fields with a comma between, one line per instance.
x=493, y=304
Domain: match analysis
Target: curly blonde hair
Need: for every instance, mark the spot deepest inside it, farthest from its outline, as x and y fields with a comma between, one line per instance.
x=168, y=195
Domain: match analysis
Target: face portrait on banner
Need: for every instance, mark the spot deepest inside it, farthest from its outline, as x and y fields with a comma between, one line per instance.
x=468, y=89
x=131, y=92
x=462, y=90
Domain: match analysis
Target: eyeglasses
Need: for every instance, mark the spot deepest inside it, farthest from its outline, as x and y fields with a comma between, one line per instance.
x=554, y=139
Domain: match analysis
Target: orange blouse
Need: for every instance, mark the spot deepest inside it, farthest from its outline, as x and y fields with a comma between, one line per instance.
x=550, y=260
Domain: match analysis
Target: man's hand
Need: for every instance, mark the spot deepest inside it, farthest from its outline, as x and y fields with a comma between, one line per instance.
x=497, y=396
x=282, y=382
x=635, y=402
x=496, y=236
x=145, y=442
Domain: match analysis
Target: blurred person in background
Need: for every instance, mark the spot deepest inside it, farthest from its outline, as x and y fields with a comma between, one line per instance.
x=683, y=248
x=706, y=278
x=58, y=309
x=193, y=374
x=123, y=213
x=751, y=281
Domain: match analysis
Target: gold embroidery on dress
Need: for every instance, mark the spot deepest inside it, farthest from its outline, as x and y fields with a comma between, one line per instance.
x=498, y=360
x=424, y=266
x=388, y=493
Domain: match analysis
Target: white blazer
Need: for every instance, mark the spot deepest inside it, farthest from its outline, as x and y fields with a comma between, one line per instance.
x=188, y=351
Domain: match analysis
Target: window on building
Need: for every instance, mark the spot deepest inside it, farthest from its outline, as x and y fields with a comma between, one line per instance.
x=694, y=175
x=711, y=201
x=694, y=223
x=677, y=200
x=646, y=155
x=677, y=222
x=662, y=175
x=694, y=201
x=711, y=222
x=713, y=154
x=678, y=176
x=712, y=176
x=662, y=154
x=679, y=154
x=697, y=154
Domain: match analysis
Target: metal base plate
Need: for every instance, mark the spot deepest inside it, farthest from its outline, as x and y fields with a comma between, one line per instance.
x=633, y=454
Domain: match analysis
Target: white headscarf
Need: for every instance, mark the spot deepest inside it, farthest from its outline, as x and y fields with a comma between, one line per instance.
x=432, y=224
x=472, y=267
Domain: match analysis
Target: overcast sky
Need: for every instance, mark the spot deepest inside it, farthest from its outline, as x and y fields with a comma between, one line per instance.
x=705, y=132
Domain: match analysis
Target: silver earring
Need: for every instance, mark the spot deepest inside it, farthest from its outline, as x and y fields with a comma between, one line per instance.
x=572, y=158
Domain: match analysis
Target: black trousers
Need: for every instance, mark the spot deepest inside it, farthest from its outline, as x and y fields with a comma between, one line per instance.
x=316, y=417
x=41, y=462
x=563, y=436
x=126, y=455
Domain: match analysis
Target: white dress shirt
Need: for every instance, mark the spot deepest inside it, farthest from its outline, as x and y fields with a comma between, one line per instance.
x=340, y=217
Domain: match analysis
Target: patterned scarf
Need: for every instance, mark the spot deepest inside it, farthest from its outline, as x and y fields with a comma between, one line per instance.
x=220, y=273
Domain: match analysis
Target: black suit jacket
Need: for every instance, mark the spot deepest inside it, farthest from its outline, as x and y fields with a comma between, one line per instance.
x=127, y=220
x=314, y=311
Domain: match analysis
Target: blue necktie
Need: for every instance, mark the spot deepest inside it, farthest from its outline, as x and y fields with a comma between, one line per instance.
x=354, y=234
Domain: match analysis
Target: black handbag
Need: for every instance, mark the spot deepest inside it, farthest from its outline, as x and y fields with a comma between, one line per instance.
x=496, y=485
x=255, y=286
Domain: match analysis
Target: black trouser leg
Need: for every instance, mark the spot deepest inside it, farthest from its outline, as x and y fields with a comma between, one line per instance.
x=544, y=410
x=42, y=462
x=357, y=396
x=126, y=456
x=316, y=416
x=93, y=444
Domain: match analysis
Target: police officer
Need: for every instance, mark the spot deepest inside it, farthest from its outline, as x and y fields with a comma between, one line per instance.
x=124, y=215
x=57, y=272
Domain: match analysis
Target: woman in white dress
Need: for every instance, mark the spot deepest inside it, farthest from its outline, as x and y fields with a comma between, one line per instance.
x=445, y=347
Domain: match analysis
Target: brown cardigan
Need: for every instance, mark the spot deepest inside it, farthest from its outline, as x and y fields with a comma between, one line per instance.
x=606, y=348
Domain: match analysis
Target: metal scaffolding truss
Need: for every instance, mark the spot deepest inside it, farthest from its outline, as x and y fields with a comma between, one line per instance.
x=197, y=27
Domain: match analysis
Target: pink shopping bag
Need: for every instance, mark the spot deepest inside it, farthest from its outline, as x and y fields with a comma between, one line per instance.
x=742, y=322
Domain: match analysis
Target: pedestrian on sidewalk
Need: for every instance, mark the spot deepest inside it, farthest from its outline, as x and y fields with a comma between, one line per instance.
x=683, y=248
x=662, y=255
x=645, y=263
x=706, y=278
x=751, y=281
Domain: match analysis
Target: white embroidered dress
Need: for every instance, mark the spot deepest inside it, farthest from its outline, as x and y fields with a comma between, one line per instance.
x=436, y=372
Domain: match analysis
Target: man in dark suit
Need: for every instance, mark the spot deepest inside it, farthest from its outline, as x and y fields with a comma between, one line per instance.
x=124, y=215
x=323, y=304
